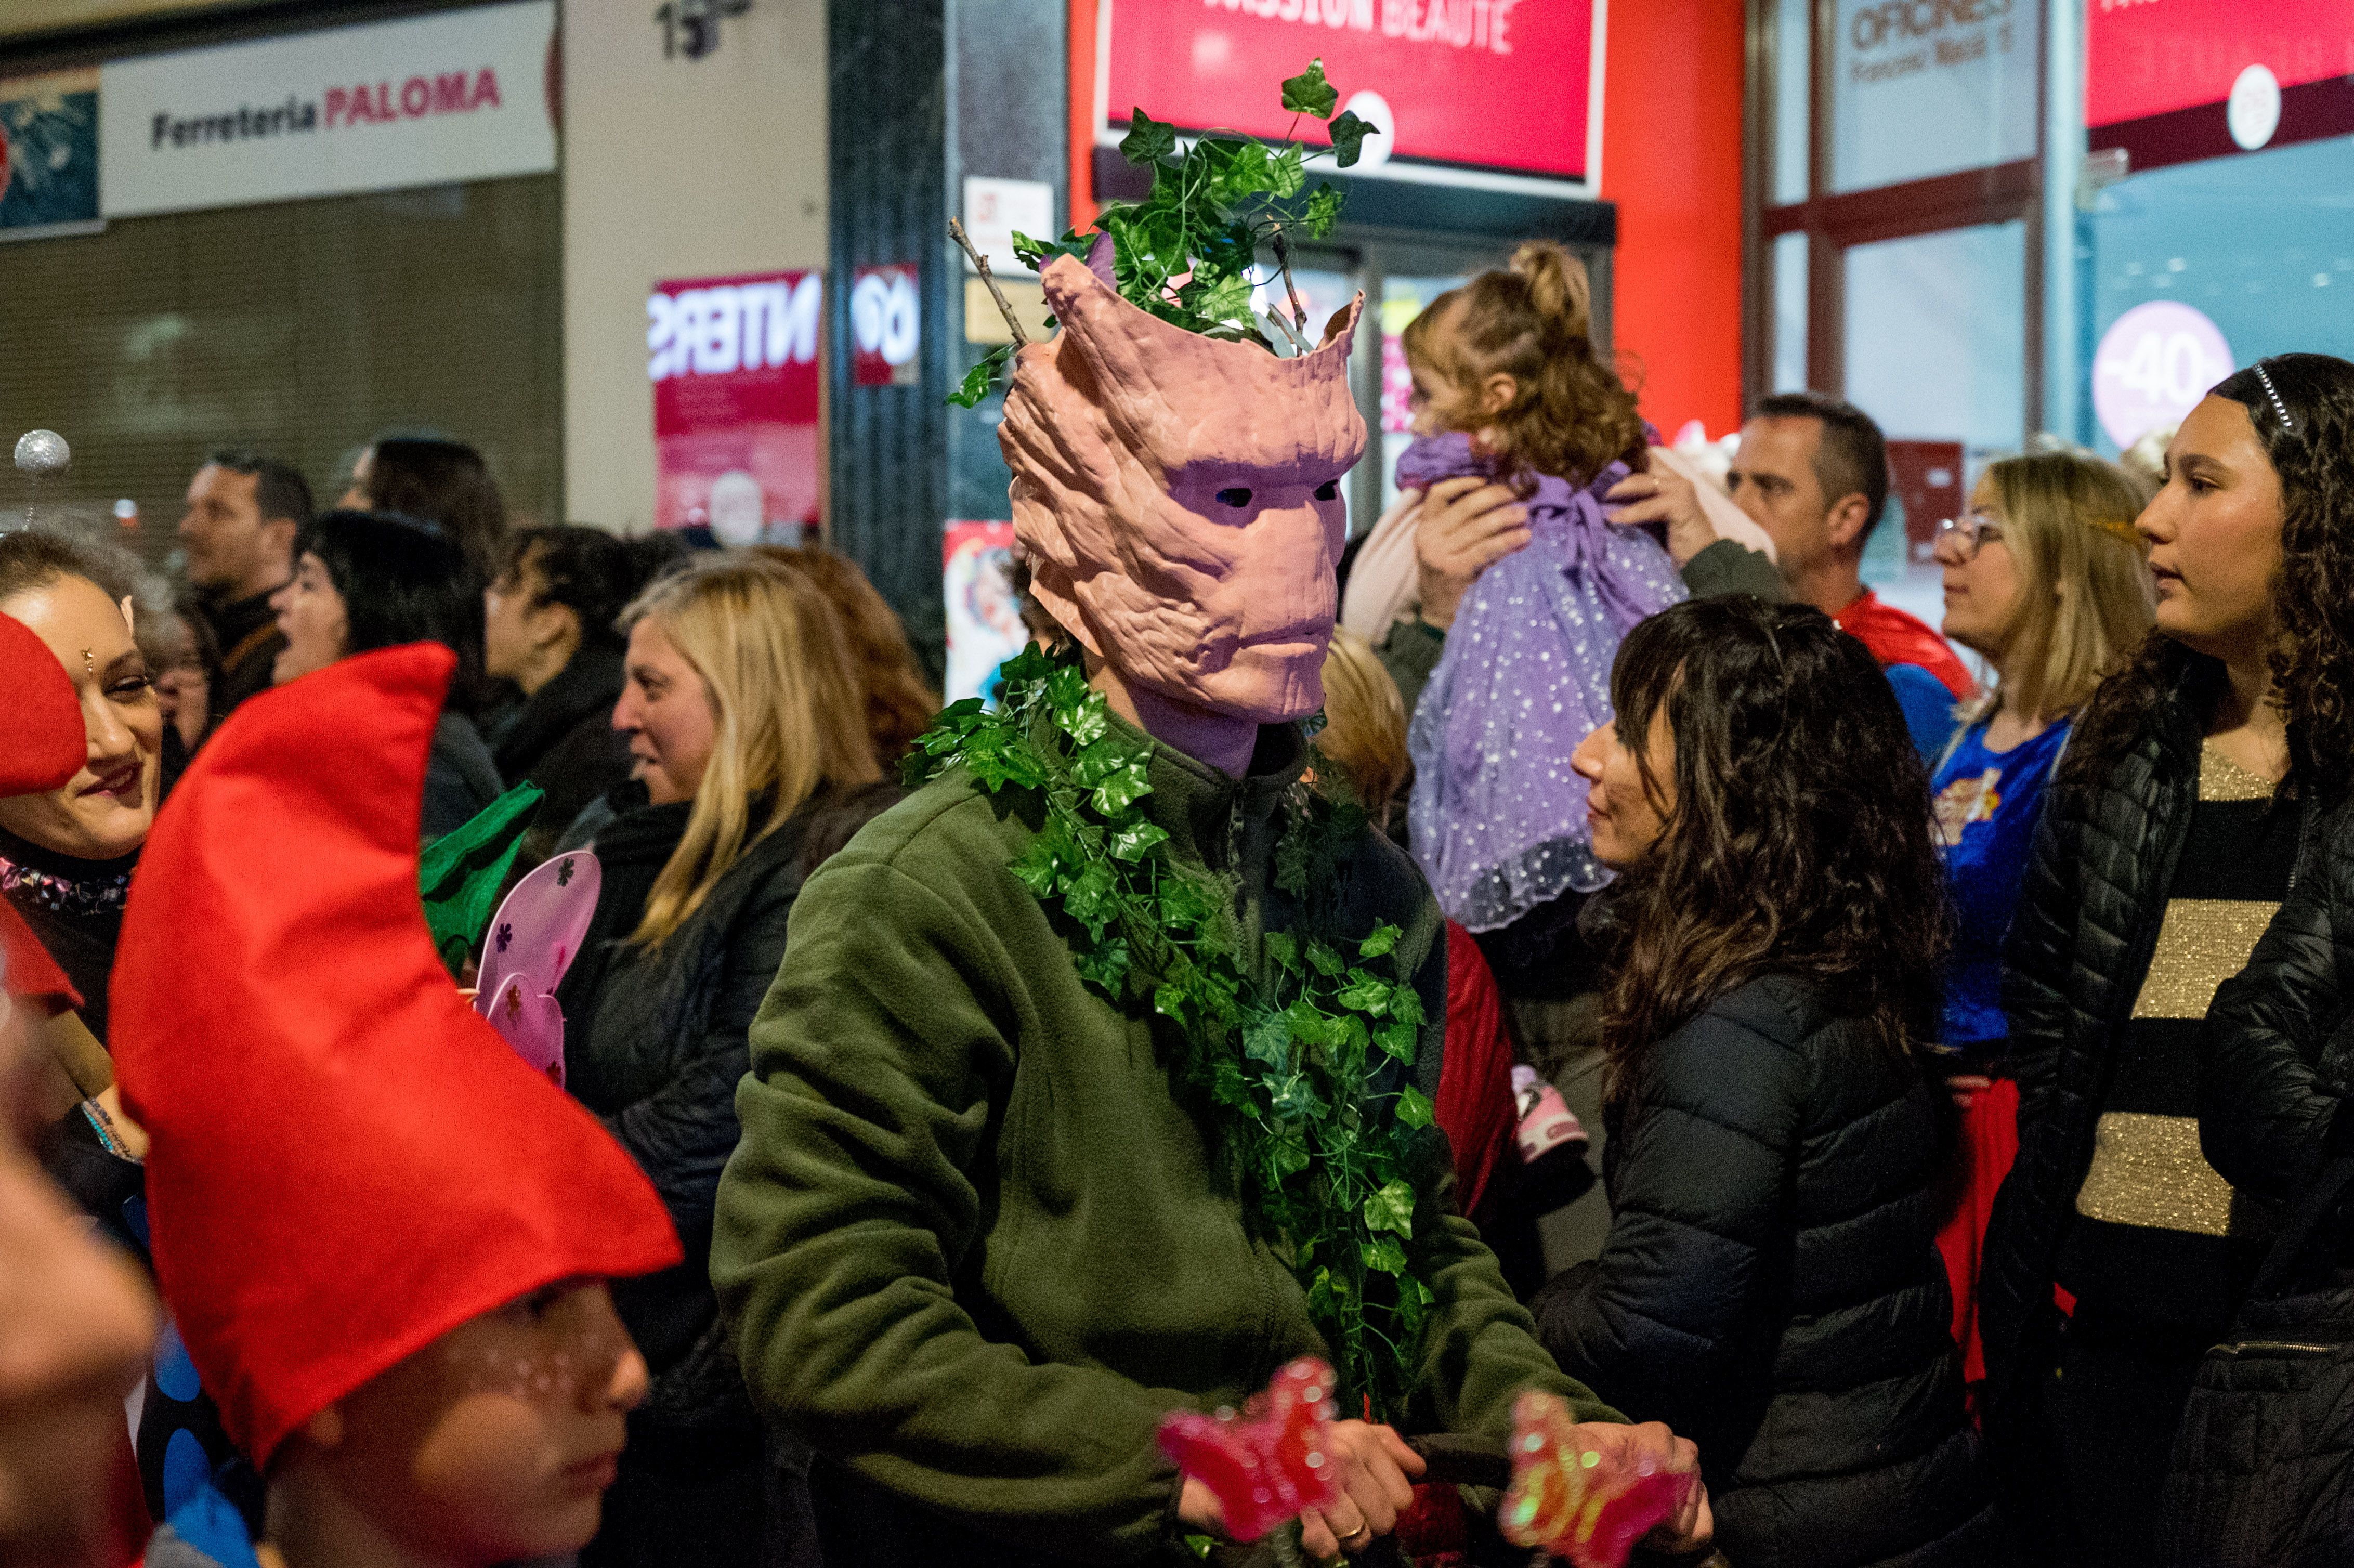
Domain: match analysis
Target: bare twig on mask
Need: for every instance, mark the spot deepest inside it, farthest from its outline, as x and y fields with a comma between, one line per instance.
x=1283, y=260
x=981, y=265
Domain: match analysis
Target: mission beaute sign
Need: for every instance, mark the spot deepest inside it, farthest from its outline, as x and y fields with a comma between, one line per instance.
x=461, y=95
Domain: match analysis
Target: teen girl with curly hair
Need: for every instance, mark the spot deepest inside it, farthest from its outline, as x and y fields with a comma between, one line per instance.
x=2171, y=834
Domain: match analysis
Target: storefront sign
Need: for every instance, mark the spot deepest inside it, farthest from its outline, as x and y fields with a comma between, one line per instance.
x=734, y=364
x=984, y=617
x=2206, y=78
x=1923, y=88
x=1461, y=89
x=459, y=95
x=48, y=153
x=885, y=326
x=2154, y=365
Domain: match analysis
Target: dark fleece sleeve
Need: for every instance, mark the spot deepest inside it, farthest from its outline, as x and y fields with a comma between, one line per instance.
x=1729, y=566
x=866, y=1108
x=1699, y=1191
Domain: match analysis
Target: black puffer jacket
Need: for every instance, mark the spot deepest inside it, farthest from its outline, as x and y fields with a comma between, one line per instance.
x=1771, y=1289
x=2278, y=1061
x=658, y=1050
x=563, y=740
x=2089, y=911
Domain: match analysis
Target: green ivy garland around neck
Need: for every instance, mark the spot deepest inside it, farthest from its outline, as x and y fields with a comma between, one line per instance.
x=1283, y=1062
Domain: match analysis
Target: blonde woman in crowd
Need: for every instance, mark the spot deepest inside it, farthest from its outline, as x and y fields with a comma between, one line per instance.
x=2046, y=579
x=748, y=723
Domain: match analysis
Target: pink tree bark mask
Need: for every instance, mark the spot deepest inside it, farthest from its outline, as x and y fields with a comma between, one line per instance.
x=1180, y=497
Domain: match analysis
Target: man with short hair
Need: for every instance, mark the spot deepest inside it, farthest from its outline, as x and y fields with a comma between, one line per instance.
x=1812, y=471
x=244, y=513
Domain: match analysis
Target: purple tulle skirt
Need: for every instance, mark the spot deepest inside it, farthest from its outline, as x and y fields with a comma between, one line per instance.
x=1498, y=815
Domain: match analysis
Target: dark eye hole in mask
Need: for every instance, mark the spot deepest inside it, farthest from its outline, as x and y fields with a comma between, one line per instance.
x=1329, y=491
x=1235, y=495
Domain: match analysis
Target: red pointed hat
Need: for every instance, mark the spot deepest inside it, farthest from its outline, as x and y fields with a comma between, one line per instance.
x=346, y=1161
x=42, y=744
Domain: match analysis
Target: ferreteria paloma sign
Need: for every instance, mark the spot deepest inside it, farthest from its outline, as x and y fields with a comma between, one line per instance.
x=461, y=95
x=451, y=92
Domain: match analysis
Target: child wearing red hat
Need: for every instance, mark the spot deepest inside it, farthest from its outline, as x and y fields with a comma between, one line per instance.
x=383, y=1237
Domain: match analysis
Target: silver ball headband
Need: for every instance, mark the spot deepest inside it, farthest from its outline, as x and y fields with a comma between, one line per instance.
x=41, y=454
x=2272, y=392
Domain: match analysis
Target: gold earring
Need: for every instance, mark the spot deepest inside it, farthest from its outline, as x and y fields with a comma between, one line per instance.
x=89, y=665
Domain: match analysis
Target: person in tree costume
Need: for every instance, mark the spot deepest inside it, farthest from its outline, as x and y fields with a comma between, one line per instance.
x=1096, y=1081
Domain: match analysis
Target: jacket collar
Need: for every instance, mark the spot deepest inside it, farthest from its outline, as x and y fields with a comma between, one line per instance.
x=1212, y=818
x=588, y=684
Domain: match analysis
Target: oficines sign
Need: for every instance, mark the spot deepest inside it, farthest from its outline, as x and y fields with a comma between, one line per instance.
x=1463, y=91
x=734, y=364
x=1921, y=88
x=462, y=95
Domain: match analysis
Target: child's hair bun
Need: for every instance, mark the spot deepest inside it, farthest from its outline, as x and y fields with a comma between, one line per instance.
x=1559, y=290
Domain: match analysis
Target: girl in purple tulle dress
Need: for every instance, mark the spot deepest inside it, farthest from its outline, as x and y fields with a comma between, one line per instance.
x=1498, y=816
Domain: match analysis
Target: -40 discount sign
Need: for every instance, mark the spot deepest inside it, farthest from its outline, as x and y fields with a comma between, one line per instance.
x=2154, y=364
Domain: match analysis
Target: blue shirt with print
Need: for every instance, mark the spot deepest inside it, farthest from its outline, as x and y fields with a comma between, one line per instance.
x=1986, y=803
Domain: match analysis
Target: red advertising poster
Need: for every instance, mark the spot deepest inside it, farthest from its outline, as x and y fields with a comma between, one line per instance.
x=734, y=364
x=1452, y=85
x=2182, y=79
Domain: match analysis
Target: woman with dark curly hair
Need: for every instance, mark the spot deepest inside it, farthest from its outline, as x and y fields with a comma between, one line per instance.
x=2272, y=1076
x=2276, y=1064
x=1770, y=1284
x=2118, y=1254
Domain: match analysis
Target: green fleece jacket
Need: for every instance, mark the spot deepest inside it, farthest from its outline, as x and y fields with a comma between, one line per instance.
x=975, y=1247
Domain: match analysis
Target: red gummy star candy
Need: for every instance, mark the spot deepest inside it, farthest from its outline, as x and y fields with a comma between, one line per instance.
x=1576, y=1502
x=1270, y=1463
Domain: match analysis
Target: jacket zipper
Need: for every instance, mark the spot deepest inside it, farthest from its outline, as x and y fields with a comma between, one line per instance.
x=2277, y=1347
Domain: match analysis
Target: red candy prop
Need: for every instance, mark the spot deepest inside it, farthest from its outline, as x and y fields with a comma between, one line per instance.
x=1575, y=1501
x=1270, y=1463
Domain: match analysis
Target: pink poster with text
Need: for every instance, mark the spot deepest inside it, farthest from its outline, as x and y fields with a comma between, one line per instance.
x=735, y=370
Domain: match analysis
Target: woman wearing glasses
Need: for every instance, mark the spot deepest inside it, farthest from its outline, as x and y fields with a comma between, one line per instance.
x=2045, y=580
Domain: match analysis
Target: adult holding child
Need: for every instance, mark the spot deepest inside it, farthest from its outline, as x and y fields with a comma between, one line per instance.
x=1511, y=389
x=1532, y=495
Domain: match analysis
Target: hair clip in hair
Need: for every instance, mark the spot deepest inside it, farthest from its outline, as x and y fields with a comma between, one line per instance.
x=2272, y=392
